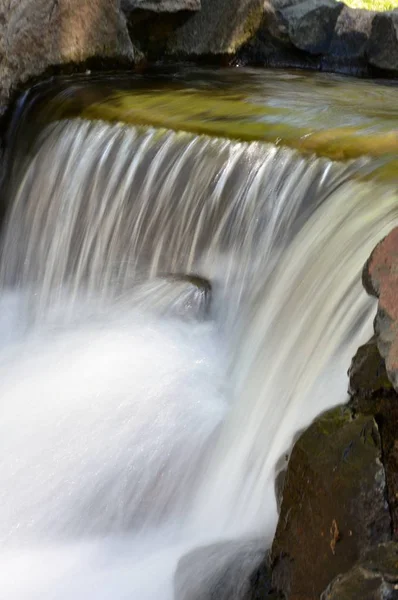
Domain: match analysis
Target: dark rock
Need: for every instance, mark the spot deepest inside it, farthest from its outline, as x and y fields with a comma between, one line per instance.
x=349, y=44
x=221, y=27
x=374, y=577
x=160, y=6
x=311, y=24
x=224, y=571
x=367, y=373
x=334, y=504
x=383, y=43
x=373, y=394
x=38, y=34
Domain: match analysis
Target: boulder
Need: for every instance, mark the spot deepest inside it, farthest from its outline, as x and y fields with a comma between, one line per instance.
x=334, y=504
x=224, y=571
x=311, y=24
x=350, y=39
x=38, y=34
x=375, y=576
x=221, y=27
x=383, y=43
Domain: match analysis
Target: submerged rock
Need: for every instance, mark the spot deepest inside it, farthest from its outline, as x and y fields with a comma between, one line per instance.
x=224, y=571
x=334, y=503
x=375, y=576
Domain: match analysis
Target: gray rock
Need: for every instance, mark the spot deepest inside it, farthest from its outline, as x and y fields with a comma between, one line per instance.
x=374, y=577
x=351, y=34
x=220, y=27
x=383, y=43
x=160, y=6
x=37, y=34
x=311, y=24
x=224, y=571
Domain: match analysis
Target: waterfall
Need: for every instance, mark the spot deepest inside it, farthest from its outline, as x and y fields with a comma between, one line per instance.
x=137, y=421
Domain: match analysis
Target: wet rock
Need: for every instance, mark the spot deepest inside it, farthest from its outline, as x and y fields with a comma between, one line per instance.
x=367, y=374
x=380, y=278
x=372, y=394
x=160, y=6
x=311, y=24
x=375, y=576
x=334, y=504
x=383, y=43
x=221, y=27
x=38, y=34
x=224, y=571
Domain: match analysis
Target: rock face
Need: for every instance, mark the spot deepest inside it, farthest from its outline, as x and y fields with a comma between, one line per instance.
x=37, y=34
x=334, y=504
x=380, y=278
x=374, y=576
x=224, y=571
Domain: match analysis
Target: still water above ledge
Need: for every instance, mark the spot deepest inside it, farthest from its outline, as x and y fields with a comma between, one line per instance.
x=333, y=116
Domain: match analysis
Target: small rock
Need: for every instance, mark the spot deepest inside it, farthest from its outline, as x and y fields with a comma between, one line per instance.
x=223, y=571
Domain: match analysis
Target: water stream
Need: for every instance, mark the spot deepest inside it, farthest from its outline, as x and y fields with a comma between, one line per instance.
x=138, y=420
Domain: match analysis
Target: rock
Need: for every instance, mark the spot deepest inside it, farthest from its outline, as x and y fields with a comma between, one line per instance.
x=380, y=278
x=350, y=38
x=221, y=27
x=38, y=34
x=223, y=571
x=160, y=6
x=311, y=24
x=367, y=373
x=372, y=394
x=334, y=504
x=383, y=43
x=375, y=576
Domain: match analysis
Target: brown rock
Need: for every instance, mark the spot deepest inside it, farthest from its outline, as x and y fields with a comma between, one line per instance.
x=334, y=504
x=37, y=34
x=380, y=278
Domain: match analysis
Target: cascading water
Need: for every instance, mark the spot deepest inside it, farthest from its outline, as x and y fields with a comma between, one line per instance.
x=136, y=422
